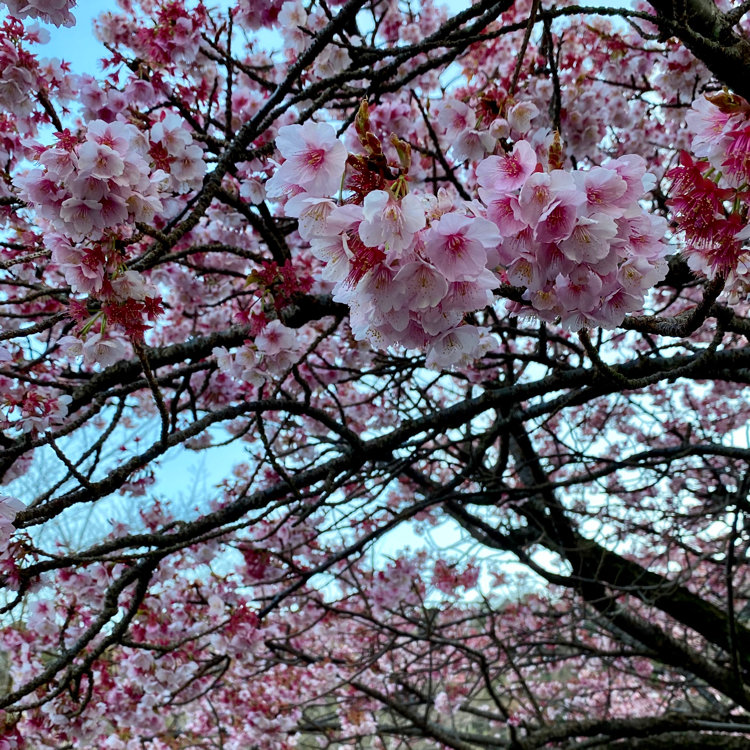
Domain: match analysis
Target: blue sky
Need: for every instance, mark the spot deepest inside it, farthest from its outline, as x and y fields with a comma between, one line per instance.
x=78, y=45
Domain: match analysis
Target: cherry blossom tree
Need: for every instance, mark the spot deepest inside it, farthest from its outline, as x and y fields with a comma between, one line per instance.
x=439, y=319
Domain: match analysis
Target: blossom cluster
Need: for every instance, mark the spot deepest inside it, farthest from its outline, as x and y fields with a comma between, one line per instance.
x=99, y=185
x=709, y=193
x=273, y=351
x=255, y=14
x=172, y=38
x=31, y=410
x=87, y=189
x=26, y=82
x=28, y=409
x=56, y=12
x=411, y=267
x=579, y=243
x=90, y=191
x=17, y=75
x=173, y=150
x=472, y=137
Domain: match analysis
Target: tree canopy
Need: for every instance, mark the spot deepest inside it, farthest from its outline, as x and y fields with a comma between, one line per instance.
x=374, y=374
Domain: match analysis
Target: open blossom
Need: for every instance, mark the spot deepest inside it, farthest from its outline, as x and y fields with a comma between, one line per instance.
x=504, y=211
x=171, y=133
x=312, y=213
x=510, y=171
x=188, y=168
x=293, y=19
x=452, y=347
x=711, y=124
x=579, y=290
x=632, y=169
x=390, y=222
x=314, y=160
x=9, y=507
x=278, y=346
x=254, y=607
x=423, y=283
x=473, y=144
x=332, y=61
x=275, y=338
x=99, y=160
x=17, y=81
x=521, y=115
x=557, y=221
x=329, y=243
x=457, y=245
x=604, y=189
x=245, y=365
x=96, y=348
x=83, y=217
x=380, y=283
x=542, y=192
x=589, y=241
x=84, y=269
x=172, y=148
x=455, y=117
x=131, y=285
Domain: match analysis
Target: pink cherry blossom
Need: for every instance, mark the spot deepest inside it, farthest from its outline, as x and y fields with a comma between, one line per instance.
x=473, y=144
x=56, y=12
x=557, y=221
x=99, y=161
x=604, y=189
x=457, y=245
x=710, y=125
x=388, y=290
x=500, y=173
x=314, y=160
x=520, y=117
x=9, y=507
x=455, y=117
x=589, y=241
x=312, y=213
x=293, y=19
x=579, y=294
x=103, y=350
x=504, y=210
x=452, y=347
x=82, y=217
x=632, y=169
x=390, y=222
x=423, y=284
x=542, y=192
x=275, y=338
x=188, y=168
x=171, y=133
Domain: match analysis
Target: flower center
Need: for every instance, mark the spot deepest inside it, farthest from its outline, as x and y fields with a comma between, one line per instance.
x=315, y=157
x=456, y=244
